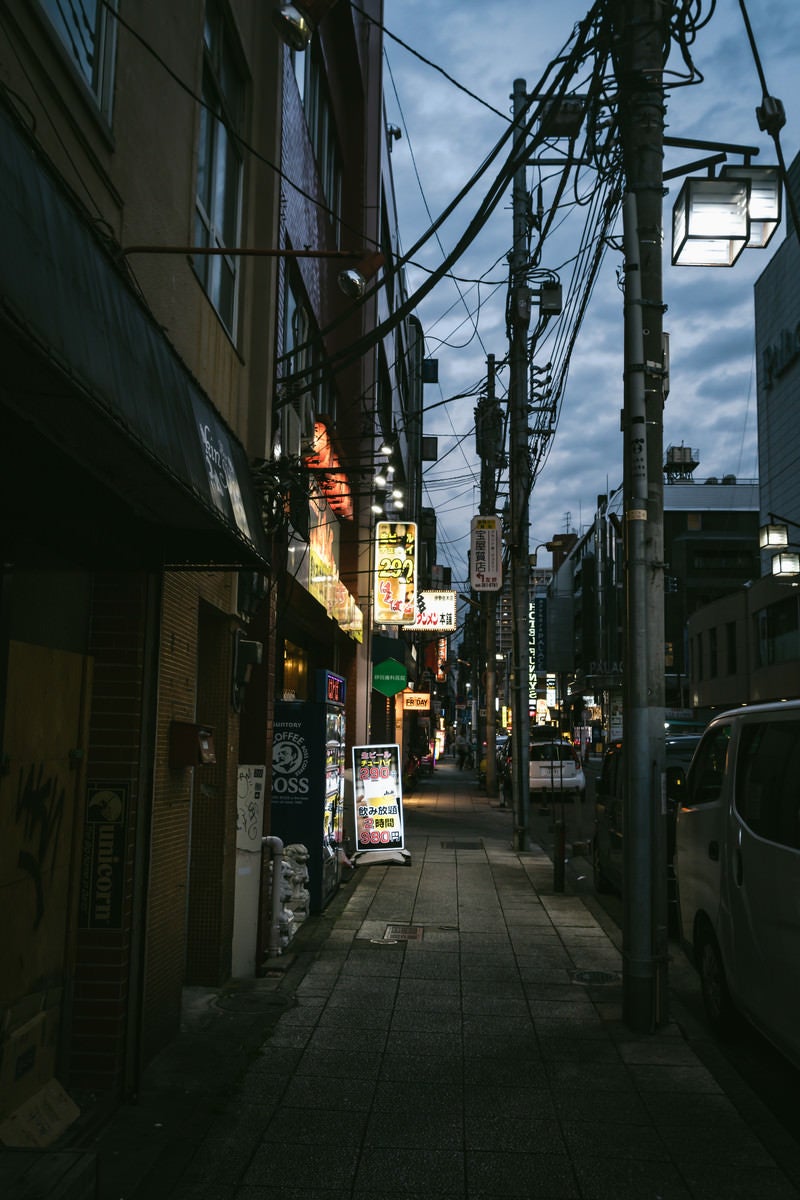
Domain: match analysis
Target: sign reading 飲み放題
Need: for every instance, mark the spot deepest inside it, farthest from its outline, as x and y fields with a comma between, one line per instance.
x=378, y=797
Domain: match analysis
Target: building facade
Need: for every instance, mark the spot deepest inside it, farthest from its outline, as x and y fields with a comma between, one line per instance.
x=711, y=550
x=164, y=343
x=747, y=649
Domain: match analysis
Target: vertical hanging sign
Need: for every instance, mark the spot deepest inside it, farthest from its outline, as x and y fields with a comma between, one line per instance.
x=395, y=572
x=486, y=555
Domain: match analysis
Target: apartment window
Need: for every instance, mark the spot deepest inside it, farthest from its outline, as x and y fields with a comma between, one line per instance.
x=219, y=167
x=321, y=130
x=730, y=640
x=778, y=633
x=88, y=32
x=313, y=394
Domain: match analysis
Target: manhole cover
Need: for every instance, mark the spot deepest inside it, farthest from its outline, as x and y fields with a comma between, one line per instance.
x=594, y=977
x=462, y=845
x=403, y=933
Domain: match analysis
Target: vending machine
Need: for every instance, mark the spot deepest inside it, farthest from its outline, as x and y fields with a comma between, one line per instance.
x=308, y=781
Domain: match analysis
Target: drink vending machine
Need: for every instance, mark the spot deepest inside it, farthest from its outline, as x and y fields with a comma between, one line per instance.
x=308, y=781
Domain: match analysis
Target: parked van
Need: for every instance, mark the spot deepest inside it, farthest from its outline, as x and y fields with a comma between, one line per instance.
x=737, y=863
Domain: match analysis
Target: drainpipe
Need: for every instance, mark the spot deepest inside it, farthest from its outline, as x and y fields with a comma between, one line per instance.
x=275, y=847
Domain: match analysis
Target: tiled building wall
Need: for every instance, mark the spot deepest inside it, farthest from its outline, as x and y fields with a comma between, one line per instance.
x=101, y=989
x=178, y=831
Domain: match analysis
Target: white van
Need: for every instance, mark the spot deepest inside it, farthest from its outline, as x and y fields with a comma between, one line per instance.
x=737, y=863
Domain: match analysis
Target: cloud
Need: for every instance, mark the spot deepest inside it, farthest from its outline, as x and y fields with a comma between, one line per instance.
x=709, y=313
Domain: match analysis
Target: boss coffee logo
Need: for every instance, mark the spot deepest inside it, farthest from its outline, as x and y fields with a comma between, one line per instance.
x=289, y=764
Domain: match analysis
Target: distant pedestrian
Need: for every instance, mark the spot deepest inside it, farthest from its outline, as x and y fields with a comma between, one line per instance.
x=461, y=750
x=586, y=750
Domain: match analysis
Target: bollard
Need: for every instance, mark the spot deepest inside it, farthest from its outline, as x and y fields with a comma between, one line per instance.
x=559, y=852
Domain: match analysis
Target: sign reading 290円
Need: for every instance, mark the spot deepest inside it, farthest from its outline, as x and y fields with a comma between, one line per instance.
x=378, y=794
x=395, y=572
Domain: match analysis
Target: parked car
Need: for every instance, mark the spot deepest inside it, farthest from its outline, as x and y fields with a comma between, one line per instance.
x=555, y=766
x=607, y=842
x=737, y=862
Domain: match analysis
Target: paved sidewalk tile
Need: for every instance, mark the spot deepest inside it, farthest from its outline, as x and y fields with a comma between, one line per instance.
x=484, y=1058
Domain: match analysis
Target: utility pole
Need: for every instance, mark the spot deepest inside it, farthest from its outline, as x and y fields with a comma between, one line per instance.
x=488, y=425
x=642, y=33
x=519, y=480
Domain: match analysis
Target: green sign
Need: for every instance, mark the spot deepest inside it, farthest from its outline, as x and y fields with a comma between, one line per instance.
x=389, y=677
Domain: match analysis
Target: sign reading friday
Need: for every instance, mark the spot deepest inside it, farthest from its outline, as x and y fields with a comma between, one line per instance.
x=395, y=572
x=486, y=554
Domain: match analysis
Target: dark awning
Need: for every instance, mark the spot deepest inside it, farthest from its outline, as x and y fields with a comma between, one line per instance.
x=113, y=454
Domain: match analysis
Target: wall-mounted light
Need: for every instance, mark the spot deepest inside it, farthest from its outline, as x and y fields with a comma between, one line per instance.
x=770, y=536
x=352, y=280
x=786, y=563
x=297, y=22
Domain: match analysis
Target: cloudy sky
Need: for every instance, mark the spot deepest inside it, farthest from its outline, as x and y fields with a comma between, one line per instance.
x=447, y=134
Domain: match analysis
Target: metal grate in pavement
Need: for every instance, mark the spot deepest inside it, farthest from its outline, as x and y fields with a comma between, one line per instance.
x=404, y=933
x=463, y=845
x=594, y=976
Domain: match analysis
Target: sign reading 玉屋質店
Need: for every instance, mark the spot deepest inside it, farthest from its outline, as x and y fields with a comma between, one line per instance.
x=486, y=554
x=378, y=795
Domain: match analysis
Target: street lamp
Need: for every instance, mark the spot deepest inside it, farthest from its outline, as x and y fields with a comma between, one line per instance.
x=714, y=219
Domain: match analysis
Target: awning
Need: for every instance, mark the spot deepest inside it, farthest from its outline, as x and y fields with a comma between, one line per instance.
x=113, y=454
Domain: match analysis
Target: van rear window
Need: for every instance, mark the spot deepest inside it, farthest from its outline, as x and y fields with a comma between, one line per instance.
x=767, y=795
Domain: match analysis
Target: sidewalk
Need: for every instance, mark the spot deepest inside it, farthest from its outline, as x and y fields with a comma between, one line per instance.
x=449, y=1028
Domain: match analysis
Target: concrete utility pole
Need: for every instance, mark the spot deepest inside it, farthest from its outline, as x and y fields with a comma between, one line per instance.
x=642, y=33
x=488, y=426
x=519, y=481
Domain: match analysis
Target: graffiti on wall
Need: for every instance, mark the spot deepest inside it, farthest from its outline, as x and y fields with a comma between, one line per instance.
x=40, y=809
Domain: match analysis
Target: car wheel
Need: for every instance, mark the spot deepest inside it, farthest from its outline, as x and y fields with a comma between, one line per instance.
x=720, y=1010
x=601, y=883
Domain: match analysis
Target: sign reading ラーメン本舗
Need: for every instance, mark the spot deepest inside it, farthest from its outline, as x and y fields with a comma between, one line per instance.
x=435, y=611
x=378, y=795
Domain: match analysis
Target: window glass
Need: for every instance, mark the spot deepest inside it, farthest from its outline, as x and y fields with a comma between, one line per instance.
x=87, y=30
x=219, y=167
x=547, y=752
x=322, y=132
x=707, y=771
x=767, y=781
x=778, y=629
